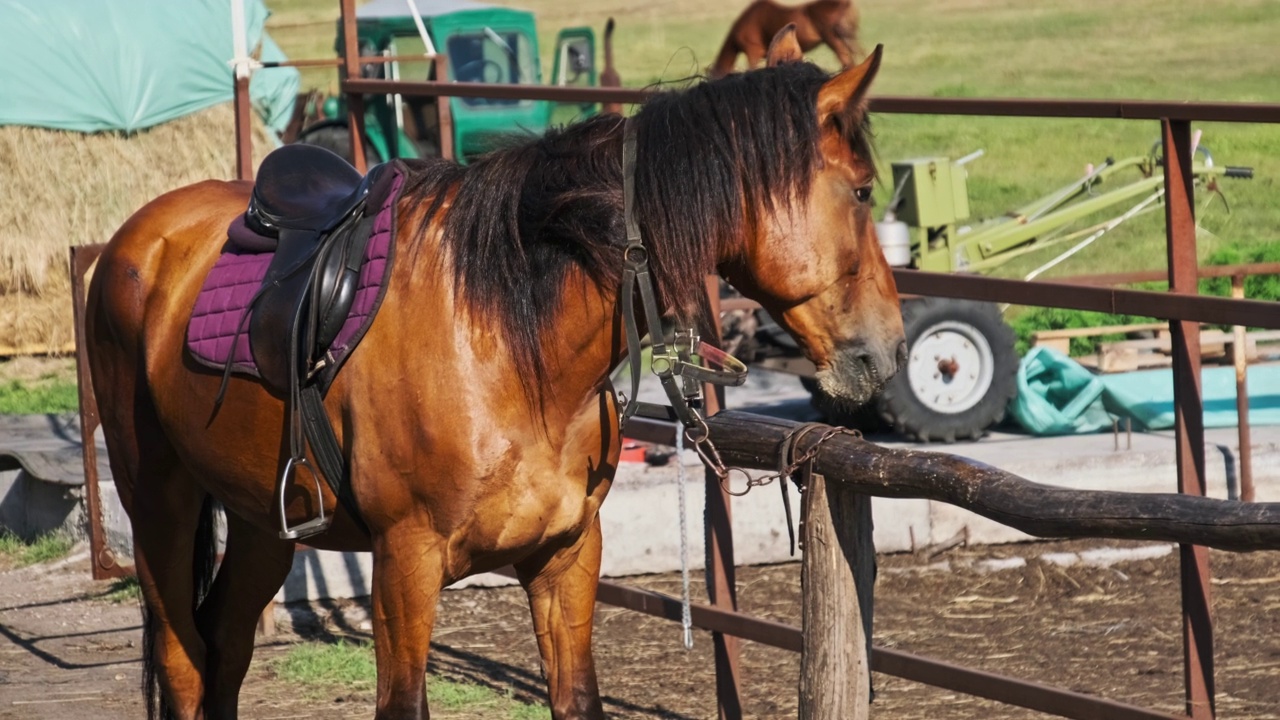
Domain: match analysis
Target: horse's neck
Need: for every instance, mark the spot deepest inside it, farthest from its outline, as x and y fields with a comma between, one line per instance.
x=586, y=344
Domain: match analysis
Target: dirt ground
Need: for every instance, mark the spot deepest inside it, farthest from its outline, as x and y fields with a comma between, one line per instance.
x=1114, y=631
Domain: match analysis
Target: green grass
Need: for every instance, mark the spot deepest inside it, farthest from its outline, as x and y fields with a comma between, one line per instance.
x=42, y=549
x=48, y=394
x=321, y=667
x=124, y=590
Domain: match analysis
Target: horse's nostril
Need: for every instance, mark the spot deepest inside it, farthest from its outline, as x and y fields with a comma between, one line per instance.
x=902, y=354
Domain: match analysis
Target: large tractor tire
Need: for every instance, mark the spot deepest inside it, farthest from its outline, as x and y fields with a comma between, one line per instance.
x=960, y=375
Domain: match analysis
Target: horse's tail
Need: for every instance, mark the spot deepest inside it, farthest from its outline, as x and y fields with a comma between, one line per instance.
x=202, y=566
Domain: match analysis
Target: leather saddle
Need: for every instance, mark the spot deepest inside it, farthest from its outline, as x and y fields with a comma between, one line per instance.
x=320, y=211
x=316, y=212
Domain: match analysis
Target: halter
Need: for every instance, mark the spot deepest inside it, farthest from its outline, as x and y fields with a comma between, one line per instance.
x=672, y=361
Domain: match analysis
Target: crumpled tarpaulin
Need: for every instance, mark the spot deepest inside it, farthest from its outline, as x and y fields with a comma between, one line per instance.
x=1058, y=396
x=127, y=65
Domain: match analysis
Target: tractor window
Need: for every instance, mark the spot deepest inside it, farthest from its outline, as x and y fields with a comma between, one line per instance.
x=491, y=56
x=417, y=117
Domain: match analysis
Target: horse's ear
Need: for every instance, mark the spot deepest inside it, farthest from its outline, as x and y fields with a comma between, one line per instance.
x=785, y=47
x=843, y=98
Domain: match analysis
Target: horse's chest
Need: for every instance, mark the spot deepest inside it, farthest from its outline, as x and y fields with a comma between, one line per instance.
x=534, y=509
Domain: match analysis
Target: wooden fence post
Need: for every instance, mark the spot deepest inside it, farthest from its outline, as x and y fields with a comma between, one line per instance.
x=836, y=579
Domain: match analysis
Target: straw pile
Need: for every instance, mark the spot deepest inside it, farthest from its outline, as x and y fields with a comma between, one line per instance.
x=66, y=188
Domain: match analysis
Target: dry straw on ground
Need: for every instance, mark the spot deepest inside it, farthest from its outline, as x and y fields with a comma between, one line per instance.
x=67, y=188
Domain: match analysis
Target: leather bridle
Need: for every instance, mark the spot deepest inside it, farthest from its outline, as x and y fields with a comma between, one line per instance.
x=673, y=353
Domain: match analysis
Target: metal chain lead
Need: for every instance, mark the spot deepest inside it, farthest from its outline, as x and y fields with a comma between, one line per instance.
x=717, y=466
x=686, y=619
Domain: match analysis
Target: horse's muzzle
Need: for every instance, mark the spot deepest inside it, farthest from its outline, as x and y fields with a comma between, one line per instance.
x=859, y=371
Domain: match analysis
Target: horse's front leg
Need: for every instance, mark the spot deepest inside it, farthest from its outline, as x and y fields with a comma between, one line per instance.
x=561, y=583
x=408, y=570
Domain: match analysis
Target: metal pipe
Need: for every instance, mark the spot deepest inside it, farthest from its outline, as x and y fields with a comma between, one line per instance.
x=1017, y=107
x=1239, y=354
x=1126, y=278
x=103, y=563
x=1101, y=231
x=351, y=69
x=243, y=70
x=1164, y=305
x=244, y=130
x=422, y=29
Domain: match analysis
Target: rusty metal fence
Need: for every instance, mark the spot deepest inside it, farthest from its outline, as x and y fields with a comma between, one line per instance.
x=1180, y=306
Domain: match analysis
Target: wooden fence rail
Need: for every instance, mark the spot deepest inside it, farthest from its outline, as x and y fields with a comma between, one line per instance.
x=838, y=569
x=752, y=441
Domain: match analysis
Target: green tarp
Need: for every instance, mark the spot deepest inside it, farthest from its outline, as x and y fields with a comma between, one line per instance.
x=93, y=65
x=1058, y=396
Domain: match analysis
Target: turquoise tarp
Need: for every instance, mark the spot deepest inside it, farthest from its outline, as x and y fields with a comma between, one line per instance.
x=93, y=65
x=1057, y=396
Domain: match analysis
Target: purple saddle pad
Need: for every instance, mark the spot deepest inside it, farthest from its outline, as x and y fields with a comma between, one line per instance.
x=222, y=306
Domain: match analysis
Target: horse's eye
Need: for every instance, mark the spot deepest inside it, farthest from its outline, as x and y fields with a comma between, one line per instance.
x=863, y=194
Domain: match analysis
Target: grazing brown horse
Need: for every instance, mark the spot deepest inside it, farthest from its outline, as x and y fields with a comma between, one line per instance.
x=834, y=22
x=476, y=417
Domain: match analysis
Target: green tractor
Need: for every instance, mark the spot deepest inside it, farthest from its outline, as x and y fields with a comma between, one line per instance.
x=962, y=366
x=481, y=44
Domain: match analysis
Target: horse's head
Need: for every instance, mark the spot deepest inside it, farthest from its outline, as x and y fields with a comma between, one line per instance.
x=814, y=262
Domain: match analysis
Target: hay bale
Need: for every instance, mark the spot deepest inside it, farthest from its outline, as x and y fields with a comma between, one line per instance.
x=66, y=188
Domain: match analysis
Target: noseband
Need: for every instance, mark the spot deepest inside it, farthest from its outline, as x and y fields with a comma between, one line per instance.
x=672, y=360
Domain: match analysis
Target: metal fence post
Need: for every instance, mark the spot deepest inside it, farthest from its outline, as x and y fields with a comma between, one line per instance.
x=103, y=563
x=1240, y=357
x=722, y=587
x=1180, y=225
x=351, y=71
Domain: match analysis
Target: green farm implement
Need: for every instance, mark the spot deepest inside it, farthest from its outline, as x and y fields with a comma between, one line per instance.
x=961, y=369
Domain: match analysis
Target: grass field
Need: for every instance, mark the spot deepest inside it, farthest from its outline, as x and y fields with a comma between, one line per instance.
x=1152, y=49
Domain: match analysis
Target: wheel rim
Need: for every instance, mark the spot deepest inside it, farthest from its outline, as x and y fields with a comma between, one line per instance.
x=950, y=367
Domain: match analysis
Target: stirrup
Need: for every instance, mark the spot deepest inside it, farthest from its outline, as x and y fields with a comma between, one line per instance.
x=310, y=527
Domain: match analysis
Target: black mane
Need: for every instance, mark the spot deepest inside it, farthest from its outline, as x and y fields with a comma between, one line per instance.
x=523, y=217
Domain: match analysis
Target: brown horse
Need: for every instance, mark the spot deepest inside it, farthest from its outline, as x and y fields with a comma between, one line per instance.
x=834, y=22
x=476, y=417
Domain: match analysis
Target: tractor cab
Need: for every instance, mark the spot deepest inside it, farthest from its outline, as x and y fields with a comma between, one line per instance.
x=479, y=43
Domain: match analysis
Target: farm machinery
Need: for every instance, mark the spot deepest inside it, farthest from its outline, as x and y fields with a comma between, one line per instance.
x=962, y=365
x=478, y=43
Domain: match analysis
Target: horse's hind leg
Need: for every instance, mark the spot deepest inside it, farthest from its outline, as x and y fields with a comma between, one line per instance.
x=561, y=583
x=166, y=511
x=842, y=37
x=254, y=565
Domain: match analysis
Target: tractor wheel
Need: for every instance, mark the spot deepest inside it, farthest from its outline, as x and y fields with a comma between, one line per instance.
x=334, y=135
x=961, y=371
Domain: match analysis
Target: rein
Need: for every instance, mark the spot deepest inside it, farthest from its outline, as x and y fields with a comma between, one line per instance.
x=673, y=362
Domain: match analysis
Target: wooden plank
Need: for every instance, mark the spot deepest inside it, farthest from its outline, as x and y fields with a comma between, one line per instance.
x=1091, y=331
